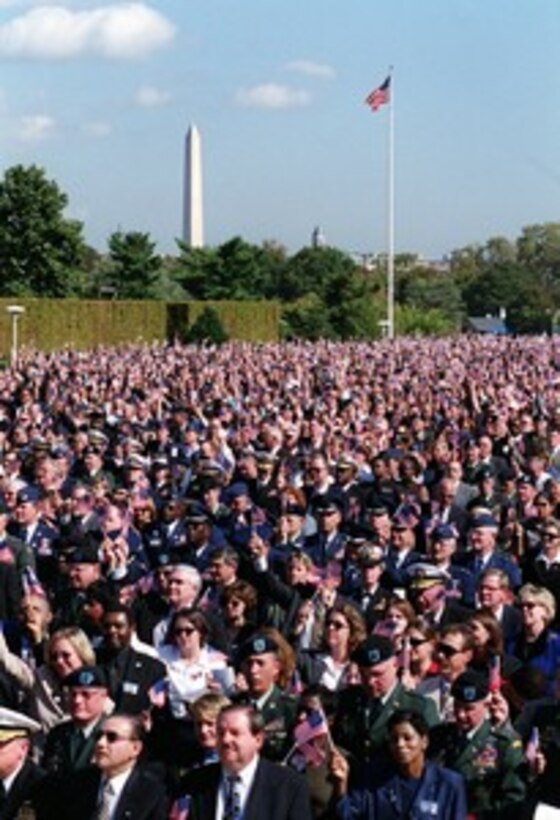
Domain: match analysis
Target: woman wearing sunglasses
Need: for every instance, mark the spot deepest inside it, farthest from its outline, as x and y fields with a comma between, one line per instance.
x=344, y=631
x=418, y=654
x=193, y=667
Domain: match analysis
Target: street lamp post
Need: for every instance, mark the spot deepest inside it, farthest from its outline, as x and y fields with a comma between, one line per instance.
x=15, y=312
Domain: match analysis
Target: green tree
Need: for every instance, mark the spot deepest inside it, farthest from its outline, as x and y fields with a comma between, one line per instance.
x=134, y=267
x=234, y=270
x=40, y=249
x=311, y=270
x=207, y=328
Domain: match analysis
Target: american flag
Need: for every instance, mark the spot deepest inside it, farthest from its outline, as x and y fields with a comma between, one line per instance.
x=157, y=693
x=533, y=745
x=314, y=725
x=495, y=676
x=180, y=808
x=380, y=95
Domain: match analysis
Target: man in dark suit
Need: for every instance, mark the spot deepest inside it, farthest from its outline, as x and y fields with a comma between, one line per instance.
x=130, y=674
x=494, y=594
x=118, y=785
x=243, y=784
x=20, y=778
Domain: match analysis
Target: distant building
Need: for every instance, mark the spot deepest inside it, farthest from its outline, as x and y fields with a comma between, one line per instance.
x=488, y=325
x=318, y=238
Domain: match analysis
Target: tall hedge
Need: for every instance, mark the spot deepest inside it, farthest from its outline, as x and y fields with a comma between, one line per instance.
x=51, y=324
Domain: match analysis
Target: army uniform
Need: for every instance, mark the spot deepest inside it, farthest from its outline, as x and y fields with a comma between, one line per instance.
x=361, y=722
x=279, y=713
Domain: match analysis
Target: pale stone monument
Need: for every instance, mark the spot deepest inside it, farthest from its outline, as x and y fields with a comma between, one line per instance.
x=193, y=219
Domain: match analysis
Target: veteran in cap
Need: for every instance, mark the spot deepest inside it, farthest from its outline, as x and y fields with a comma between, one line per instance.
x=490, y=758
x=20, y=778
x=364, y=710
x=70, y=745
x=259, y=660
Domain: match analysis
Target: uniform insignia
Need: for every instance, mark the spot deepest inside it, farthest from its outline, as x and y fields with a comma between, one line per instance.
x=259, y=645
x=487, y=758
x=374, y=656
x=86, y=678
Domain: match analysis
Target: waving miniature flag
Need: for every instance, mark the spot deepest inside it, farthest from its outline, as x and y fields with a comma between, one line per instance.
x=180, y=808
x=533, y=745
x=157, y=693
x=314, y=725
x=495, y=675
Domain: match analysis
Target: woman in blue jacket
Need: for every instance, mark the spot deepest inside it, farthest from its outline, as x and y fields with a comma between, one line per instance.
x=403, y=786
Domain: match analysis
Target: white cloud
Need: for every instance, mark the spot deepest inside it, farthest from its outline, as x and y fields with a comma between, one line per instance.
x=270, y=95
x=149, y=97
x=36, y=127
x=311, y=69
x=122, y=32
x=97, y=130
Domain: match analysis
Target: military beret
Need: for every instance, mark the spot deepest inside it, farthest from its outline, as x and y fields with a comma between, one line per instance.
x=470, y=687
x=27, y=494
x=443, y=532
x=483, y=520
x=197, y=514
x=373, y=650
x=257, y=645
x=525, y=478
x=86, y=677
x=327, y=504
x=15, y=724
x=294, y=509
x=423, y=575
x=237, y=490
x=485, y=471
x=86, y=553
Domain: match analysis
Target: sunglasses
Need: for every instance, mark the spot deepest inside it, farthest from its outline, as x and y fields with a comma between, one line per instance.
x=447, y=651
x=415, y=642
x=184, y=630
x=336, y=625
x=527, y=605
x=549, y=536
x=110, y=736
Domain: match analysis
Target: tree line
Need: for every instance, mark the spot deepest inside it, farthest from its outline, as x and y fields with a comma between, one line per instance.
x=324, y=292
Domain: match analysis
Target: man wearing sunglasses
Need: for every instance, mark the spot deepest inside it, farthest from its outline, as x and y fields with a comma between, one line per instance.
x=118, y=786
x=454, y=651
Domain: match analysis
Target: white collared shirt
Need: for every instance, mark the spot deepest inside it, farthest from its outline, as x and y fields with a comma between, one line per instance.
x=117, y=784
x=247, y=776
x=9, y=780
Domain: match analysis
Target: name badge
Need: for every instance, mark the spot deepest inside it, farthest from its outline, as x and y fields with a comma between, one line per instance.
x=428, y=807
x=130, y=688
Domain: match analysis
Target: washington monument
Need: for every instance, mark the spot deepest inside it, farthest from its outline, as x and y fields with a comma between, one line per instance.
x=193, y=220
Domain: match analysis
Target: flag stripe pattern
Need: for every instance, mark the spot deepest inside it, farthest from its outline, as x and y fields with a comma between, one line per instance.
x=380, y=95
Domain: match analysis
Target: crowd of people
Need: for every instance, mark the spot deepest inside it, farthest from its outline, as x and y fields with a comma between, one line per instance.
x=291, y=581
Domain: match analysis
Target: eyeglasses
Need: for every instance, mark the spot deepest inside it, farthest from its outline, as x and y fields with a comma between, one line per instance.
x=447, y=651
x=110, y=736
x=415, y=642
x=184, y=630
x=527, y=605
x=336, y=625
x=549, y=536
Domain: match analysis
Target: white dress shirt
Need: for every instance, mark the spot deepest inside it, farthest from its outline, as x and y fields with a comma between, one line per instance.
x=246, y=778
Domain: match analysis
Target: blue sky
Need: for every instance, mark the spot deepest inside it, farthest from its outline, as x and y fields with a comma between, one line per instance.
x=101, y=93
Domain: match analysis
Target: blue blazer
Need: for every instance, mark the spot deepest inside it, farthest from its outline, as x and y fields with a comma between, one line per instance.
x=440, y=796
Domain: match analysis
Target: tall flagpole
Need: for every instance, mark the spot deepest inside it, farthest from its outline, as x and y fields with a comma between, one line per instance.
x=391, y=213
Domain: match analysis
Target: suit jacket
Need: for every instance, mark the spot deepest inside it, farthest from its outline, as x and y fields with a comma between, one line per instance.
x=131, y=674
x=277, y=793
x=143, y=797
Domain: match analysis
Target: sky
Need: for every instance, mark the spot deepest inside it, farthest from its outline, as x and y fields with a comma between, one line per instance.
x=101, y=94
